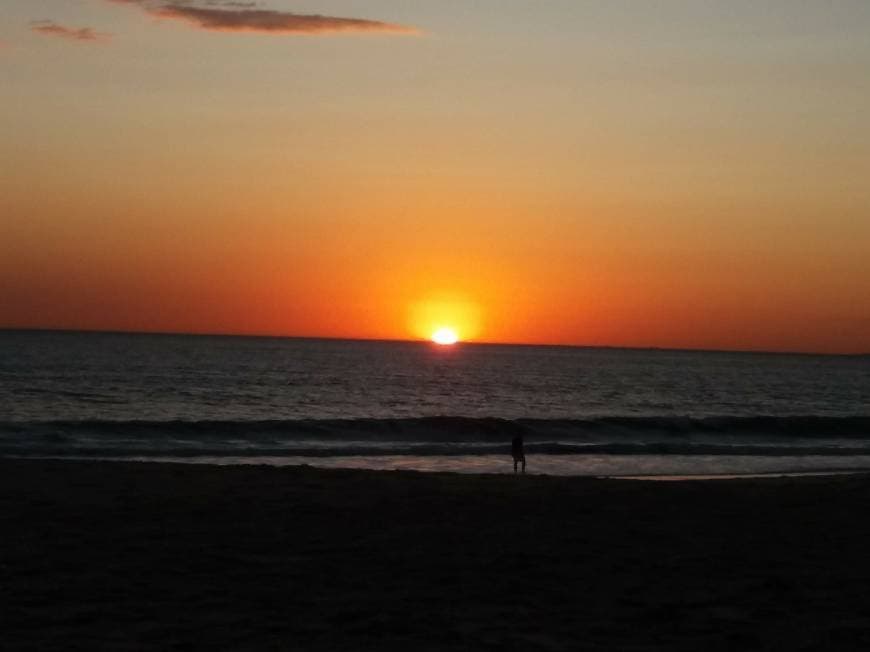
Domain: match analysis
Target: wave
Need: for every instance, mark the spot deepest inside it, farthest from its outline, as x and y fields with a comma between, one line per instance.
x=448, y=428
x=428, y=436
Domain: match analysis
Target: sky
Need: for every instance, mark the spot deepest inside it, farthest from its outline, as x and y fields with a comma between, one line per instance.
x=670, y=173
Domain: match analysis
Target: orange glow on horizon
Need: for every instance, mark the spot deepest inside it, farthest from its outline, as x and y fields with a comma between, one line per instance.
x=281, y=189
x=445, y=319
x=445, y=336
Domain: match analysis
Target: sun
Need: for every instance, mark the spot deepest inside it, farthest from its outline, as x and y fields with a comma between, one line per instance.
x=445, y=336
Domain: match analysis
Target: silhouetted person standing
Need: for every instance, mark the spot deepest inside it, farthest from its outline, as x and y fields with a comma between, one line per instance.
x=518, y=451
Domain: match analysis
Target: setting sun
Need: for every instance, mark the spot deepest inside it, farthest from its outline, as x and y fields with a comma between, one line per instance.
x=444, y=318
x=445, y=336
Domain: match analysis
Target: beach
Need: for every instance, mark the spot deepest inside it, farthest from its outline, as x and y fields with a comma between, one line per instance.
x=126, y=556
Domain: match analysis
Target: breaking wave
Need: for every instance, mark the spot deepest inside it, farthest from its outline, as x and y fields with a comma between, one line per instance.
x=442, y=436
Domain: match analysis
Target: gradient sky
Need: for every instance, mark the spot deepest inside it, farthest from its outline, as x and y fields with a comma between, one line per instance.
x=690, y=174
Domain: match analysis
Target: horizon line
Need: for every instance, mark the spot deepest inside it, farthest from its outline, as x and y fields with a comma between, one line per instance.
x=615, y=347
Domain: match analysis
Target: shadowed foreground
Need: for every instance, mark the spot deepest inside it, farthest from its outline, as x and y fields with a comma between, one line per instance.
x=152, y=557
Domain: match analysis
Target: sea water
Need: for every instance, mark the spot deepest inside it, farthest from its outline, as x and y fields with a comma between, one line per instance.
x=418, y=406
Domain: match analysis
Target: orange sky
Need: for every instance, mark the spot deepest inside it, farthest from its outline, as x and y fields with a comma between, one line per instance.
x=570, y=175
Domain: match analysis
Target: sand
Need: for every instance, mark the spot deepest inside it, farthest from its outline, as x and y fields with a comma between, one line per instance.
x=112, y=556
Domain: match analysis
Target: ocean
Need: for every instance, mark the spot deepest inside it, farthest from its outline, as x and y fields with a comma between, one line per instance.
x=418, y=406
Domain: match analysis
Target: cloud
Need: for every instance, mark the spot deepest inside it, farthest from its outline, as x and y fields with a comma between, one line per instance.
x=50, y=28
x=235, y=16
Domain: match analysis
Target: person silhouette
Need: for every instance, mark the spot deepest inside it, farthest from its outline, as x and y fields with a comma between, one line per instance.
x=518, y=452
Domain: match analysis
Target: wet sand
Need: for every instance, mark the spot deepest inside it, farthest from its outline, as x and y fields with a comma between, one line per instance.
x=114, y=556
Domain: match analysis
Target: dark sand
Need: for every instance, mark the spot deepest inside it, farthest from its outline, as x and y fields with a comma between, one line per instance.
x=161, y=557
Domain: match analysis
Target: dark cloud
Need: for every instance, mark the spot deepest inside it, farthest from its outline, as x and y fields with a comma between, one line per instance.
x=50, y=28
x=236, y=16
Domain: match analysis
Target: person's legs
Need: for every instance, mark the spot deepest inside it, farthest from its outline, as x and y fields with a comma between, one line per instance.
x=515, y=465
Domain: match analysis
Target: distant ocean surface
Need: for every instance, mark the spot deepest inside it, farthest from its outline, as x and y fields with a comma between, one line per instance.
x=395, y=405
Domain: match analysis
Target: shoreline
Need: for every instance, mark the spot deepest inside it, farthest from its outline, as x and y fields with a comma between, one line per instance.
x=647, y=467
x=133, y=556
x=312, y=463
